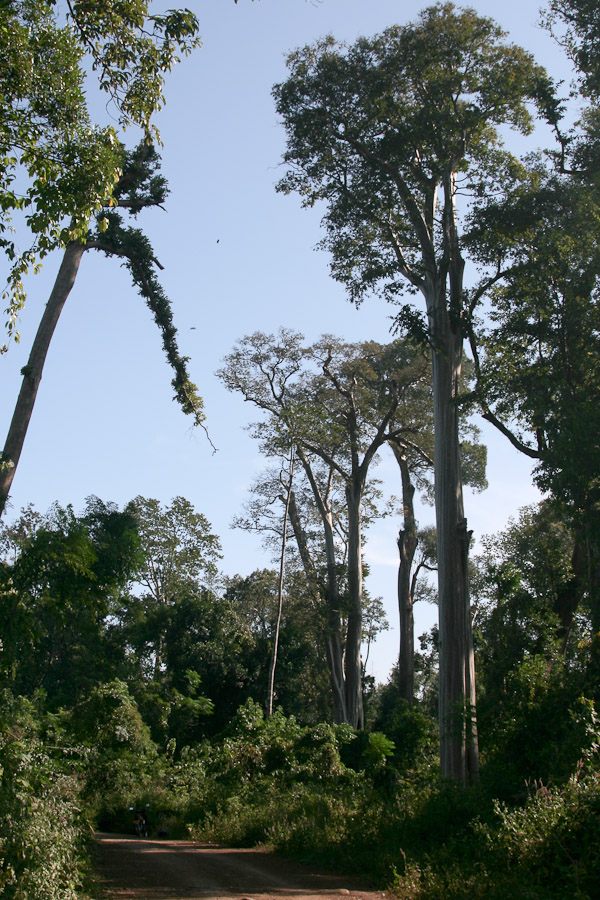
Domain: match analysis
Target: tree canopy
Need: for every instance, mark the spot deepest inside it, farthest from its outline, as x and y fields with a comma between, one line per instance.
x=58, y=167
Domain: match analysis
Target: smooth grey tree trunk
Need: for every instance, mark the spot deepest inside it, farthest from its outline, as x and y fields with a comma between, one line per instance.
x=32, y=372
x=333, y=642
x=349, y=668
x=407, y=547
x=459, y=755
x=353, y=668
x=273, y=664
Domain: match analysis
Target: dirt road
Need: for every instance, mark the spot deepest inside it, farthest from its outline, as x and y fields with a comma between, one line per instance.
x=132, y=869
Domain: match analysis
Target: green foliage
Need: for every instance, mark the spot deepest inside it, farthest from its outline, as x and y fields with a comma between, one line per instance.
x=121, y=759
x=553, y=840
x=178, y=546
x=61, y=577
x=194, y=645
x=413, y=734
x=539, y=732
x=68, y=165
x=580, y=40
x=368, y=751
x=273, y=780
x=369, y=802
x=131, y=50
x=40, y=823
x=207, y=666
x=140, y=185
x=268, y=781
x=542, y=351
x=538, y=359
x=532, y=653
x=545, y=850
x=302, y=683
x=375, y=155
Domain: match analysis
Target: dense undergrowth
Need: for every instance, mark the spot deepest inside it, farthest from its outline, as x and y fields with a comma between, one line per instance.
x=91, y=731
x=322, y=794
x=41, y=827
x=289, y=788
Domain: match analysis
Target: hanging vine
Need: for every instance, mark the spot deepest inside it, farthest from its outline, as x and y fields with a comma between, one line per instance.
x=139, y=187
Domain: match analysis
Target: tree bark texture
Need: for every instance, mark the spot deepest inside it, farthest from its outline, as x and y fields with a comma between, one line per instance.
x=333, y=640
x=458, y=728
x=407, y=546
x=354, y=701
x=32, y=372
x=273, y=664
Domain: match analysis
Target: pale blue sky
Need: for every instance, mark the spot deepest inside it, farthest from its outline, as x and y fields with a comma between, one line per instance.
x=105, y=422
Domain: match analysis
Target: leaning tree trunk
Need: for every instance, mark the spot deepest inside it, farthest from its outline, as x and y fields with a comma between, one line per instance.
x=32, y=372
x=458, y=729
x=354, y=690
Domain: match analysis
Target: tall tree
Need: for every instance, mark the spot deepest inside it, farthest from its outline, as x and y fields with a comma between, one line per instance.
x=386, y=132
x=317, y=518
x=337, y=404
x=539, y=358
x=316, y=564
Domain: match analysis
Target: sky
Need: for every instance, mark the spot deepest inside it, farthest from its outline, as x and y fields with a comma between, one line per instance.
x=238, y=258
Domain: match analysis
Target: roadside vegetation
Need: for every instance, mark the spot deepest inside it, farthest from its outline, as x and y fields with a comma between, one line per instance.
x=92, y=730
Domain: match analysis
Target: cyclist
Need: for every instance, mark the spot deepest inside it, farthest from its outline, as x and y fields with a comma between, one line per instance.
x=140, y=823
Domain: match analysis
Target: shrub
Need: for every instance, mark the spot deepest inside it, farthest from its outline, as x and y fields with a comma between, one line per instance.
x=548, y=849
x=40, y=826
